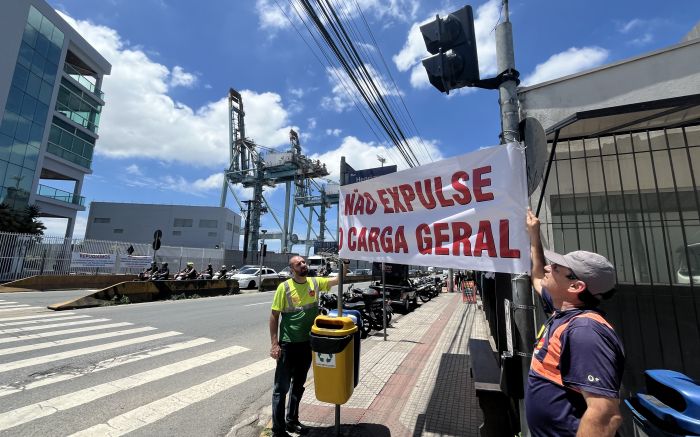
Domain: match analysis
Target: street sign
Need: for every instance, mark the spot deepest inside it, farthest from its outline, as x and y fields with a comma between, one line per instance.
x=353, y=176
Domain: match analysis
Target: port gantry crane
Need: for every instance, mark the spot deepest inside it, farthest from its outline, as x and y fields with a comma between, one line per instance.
x=250, y=168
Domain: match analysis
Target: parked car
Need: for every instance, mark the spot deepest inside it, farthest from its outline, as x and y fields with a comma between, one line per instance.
x=333, y=273
x=250, y=277
x=285, y=273
x=362, y=272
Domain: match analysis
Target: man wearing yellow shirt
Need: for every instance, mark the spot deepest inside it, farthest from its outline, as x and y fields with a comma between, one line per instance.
x=296, y=299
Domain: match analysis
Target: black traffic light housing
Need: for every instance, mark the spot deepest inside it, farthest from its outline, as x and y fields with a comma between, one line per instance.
x=451, y=40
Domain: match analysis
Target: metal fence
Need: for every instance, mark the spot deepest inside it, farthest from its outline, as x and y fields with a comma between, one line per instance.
x=23, y=255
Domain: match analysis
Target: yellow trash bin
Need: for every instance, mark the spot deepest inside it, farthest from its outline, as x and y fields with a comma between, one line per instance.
x=332, y=345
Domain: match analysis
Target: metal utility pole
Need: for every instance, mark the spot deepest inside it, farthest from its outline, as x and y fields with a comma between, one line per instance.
x=523, y=305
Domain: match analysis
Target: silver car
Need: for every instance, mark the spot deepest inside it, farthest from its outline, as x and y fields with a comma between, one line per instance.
x=250, y=277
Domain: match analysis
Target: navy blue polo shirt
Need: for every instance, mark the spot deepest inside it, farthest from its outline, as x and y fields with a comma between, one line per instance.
x=591, y=360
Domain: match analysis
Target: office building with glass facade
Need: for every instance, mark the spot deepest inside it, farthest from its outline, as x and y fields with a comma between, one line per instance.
x=50, y=104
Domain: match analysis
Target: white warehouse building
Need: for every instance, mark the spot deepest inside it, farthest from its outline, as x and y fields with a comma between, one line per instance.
x=182, y=225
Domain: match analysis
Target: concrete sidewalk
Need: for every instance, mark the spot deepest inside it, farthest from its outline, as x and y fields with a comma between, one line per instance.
x=414, y=384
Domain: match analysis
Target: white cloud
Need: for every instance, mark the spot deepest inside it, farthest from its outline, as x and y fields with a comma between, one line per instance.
x=272, y=17
x=312, y=123
x=141, y=120
x=179, y=77
x=342, y=100
x=567, y=62
x=134, y=170
x=627, y=26
x=642, y=40
x=360, y=154
x=334, y=132
x=297, y=92
x=413, y=51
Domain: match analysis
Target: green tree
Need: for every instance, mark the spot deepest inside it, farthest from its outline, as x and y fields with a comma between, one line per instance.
x=21, y=221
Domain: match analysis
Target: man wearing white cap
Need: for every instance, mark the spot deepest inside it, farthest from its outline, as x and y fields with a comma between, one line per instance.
x=574, y=380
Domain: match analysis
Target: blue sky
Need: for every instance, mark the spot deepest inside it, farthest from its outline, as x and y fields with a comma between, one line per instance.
x=164, y=129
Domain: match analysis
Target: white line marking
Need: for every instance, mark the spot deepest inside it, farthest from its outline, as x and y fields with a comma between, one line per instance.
x=7, y=303
x=110, y=363
x=12, y=365
x=39, y=316
x=45, y=408
x=33, y=347
x=156, y=410
x=16, y=307
x=260, y=303
x=51, y=326
x=63, y=332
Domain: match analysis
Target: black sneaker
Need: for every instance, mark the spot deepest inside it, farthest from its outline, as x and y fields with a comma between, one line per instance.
x=281, y=434
x=297, y=428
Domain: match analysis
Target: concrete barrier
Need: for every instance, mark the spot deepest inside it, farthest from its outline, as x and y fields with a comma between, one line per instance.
x=149, y=291
x=63, y=282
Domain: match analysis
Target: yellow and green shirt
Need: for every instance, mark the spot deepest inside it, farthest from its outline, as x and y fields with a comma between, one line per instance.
x=298, y=304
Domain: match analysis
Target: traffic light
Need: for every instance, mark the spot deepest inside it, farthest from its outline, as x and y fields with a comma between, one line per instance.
x=264, y=250
x=452, y=43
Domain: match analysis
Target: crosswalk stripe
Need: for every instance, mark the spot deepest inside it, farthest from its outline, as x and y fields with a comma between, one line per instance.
x=37, y=321
x=63, y=332
x=45, y=408
x=156, y=410
x=50, y=326
x=13, y=365
x=38, y=316
x=33, y=347
x=15, y=307
x=110, y=363
x=7, y=303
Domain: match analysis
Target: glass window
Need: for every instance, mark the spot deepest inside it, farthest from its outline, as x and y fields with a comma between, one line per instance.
x=33, y=85
x=30, y=35
x=42, y=45
x=101, y=220
x=23, y=128
x=31, y=157
x=9, y=124
x=118, y=231
x=25, y=55
x=34, y=17
x=229, y=226
x=46, y=26
x=38, y=65
x=18, y=151
x=208, y=224
x=57, y=38
x=50, y=73
x=45, y=93
x=20, y=78
x=177, y=233
x=182, y=223
x=14, y=100
x=54, y=55
x=41, y=113
x=5, y=147
x=28, y=107
x=212, y=234
x=12, y=175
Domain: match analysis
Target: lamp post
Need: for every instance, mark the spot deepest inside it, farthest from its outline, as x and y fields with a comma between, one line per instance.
x=262, y=257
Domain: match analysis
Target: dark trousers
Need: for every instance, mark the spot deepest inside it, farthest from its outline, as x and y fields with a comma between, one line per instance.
x=292, y=367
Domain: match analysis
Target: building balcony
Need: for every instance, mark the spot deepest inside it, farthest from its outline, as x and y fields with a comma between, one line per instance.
x=60, y=195
x=88, y=82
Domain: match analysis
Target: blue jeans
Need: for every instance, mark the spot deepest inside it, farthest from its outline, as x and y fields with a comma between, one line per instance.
x=292, y=368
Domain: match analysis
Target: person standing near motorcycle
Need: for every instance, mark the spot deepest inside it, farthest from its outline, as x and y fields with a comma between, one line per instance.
x=296, y=299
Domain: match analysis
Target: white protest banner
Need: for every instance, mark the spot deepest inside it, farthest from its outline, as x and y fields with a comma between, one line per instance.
x=134, y=262
x=466, y=212
x=92, y=260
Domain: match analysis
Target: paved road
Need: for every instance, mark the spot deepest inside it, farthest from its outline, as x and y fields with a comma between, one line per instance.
x=188, y=367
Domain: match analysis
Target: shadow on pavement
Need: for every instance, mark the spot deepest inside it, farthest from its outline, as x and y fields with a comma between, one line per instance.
x=357, y=430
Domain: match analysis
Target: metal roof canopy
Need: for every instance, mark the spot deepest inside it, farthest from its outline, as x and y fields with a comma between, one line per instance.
x=623, y=119
x=655, y=114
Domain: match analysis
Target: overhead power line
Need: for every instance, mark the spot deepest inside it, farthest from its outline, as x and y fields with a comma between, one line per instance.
x=336, y=29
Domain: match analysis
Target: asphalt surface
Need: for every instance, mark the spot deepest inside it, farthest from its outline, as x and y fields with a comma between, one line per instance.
x=139, y=386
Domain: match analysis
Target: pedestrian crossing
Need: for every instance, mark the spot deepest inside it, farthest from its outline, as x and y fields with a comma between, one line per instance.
x=38, y=356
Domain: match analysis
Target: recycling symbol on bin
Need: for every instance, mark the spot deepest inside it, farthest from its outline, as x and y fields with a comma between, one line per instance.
x=325, y=360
